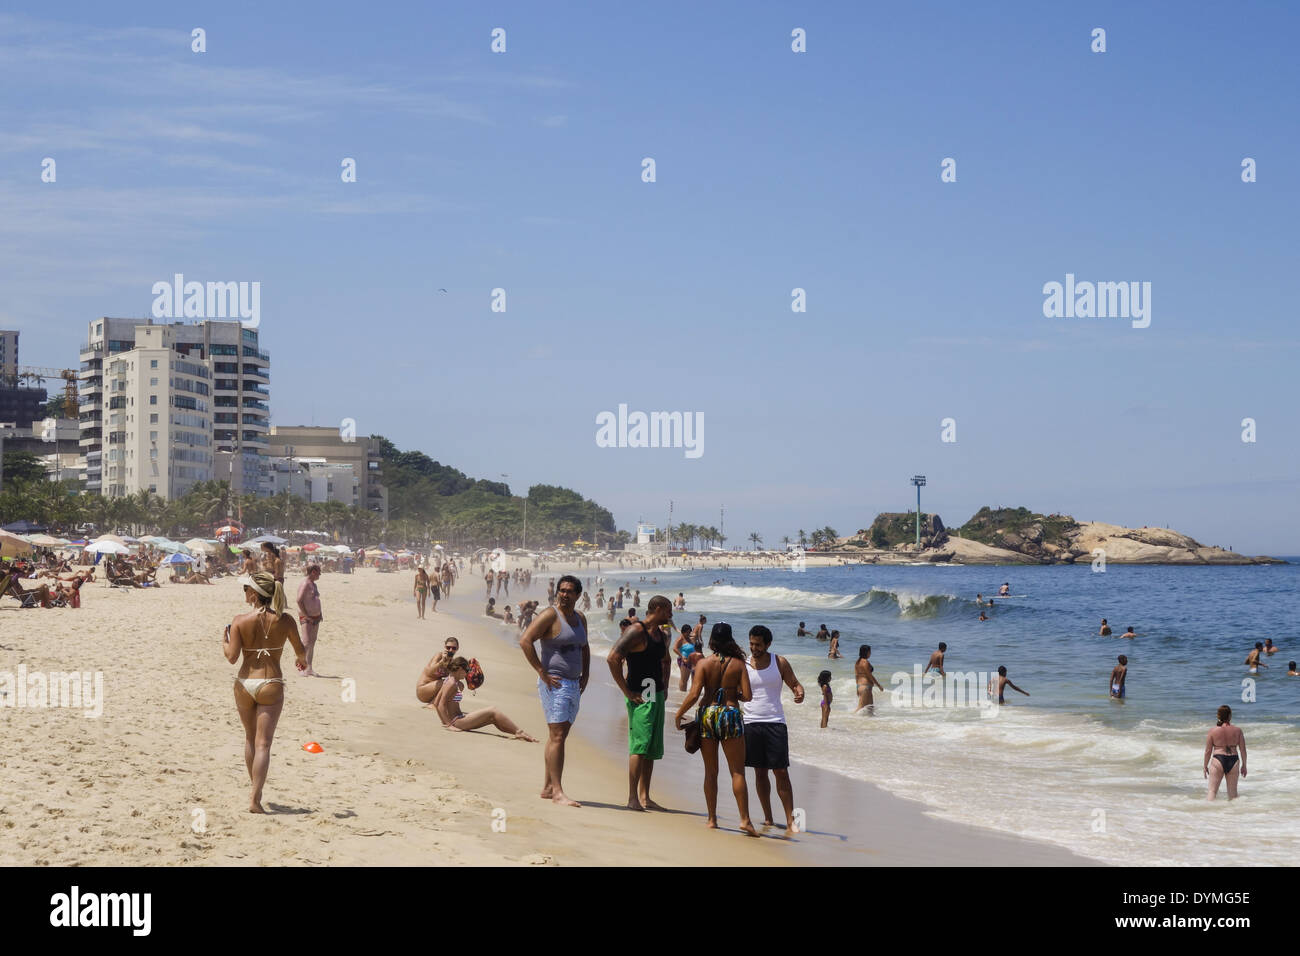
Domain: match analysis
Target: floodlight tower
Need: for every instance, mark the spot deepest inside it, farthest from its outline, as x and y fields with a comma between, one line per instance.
x=919, y=481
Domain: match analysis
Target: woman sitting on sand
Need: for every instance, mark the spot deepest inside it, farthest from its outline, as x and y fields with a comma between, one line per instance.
x=259, y=689
x=723, y=680
x=448, y=705
x=435, y=672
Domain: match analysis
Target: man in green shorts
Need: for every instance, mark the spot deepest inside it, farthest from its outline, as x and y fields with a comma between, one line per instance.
x=644, y=648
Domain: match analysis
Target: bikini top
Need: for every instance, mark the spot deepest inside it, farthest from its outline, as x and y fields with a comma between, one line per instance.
x=264, y=651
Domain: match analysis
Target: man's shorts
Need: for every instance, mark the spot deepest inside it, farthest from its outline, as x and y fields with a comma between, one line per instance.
x=767, y=746
x=645, y=727
x=560, y=706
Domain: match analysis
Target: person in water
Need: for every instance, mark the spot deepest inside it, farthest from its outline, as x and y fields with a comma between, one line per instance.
x=833, y=652
x=1253, y=658
x=1002, y=682
x=260, y=637
x=1292, y=671
x=1005, y=590
x=865, y=676
x=1269, y=647
x=1105, y=628
x=801, y=632
x=936, y=661
x=1130, y=632
x=828, y=697
x=1224, y=746
x=823, y=634
x=1117, y=677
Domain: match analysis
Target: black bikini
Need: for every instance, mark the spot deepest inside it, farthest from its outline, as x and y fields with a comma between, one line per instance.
x=1226, y=761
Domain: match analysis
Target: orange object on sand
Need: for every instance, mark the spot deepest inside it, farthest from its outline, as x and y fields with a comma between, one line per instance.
x=313, y=747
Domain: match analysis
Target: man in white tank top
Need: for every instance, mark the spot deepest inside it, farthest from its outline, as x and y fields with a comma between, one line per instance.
x=767, y=746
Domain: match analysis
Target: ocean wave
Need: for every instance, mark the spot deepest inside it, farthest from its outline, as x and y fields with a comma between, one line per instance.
x=903, y=603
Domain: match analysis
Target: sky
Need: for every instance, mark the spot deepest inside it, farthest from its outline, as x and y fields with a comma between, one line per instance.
x=775, y=170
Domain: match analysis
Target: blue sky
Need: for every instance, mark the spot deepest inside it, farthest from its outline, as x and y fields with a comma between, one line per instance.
x=775, y=170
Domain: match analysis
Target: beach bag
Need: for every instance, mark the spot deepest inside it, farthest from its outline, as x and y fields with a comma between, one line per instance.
x=693, y=734
x=474, y=677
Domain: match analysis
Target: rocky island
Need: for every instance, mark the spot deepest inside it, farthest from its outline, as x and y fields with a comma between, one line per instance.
x=1020, y=536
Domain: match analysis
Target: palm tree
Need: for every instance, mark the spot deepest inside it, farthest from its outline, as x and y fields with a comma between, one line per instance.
x=785, y=542
x=756, y=539
x=803, y=538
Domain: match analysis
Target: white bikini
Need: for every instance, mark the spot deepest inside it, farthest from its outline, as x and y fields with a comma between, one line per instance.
x=253, y=684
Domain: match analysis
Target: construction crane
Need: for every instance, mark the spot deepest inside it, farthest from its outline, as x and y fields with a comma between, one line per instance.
x=27, y=373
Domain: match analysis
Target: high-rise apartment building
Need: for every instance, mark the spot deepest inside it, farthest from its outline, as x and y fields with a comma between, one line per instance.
x=161, y=426
x=8, y=354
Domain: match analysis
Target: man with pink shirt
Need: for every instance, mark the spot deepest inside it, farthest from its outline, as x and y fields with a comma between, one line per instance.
x=309, y=614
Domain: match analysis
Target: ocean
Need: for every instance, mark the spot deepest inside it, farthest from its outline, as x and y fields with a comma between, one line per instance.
x=1117, y=781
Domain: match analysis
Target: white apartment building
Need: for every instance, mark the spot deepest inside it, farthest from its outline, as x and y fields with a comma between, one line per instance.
x=315, y=479
x=215, y=385
x=158, y=419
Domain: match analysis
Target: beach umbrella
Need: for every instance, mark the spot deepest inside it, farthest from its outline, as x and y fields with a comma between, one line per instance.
x=311, y=546
x=267, y=538
x=228, y=529
x=107, y=547
x=172, y=546
x=12, y=545
x=199, y=544
x=45, y=541
x=24, y=527
x=178, y=558
x=109, y=537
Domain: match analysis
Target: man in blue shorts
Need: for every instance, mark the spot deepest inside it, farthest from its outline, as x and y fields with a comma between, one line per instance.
x=563, y=667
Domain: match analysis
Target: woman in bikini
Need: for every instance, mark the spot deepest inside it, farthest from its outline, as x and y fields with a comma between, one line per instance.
x=435, y=672
x=1224, y=746
x=448, y=704
x=724, y=680
x=421, y=591
x=260, y=637
x=272, y=562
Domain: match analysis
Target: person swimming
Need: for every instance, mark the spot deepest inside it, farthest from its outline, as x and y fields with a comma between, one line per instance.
x=1269, y=646
x=1105, y=628
x=1005, y=590
x=1129, y=633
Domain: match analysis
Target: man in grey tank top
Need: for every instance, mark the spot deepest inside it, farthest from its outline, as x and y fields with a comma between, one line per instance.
x=563, y=667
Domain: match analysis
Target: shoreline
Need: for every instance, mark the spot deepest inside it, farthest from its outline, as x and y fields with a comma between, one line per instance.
x=850, y=822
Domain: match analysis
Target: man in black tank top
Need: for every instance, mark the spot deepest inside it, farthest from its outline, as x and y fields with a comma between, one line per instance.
x=644, y=647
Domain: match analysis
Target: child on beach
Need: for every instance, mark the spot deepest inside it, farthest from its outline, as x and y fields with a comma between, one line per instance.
x=824, y=680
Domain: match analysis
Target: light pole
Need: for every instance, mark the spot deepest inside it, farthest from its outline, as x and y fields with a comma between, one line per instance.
x=919, y=481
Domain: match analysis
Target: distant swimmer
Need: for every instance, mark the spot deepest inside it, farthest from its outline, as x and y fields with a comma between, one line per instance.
x=1221, y=755
x=1292, y=672
x=936, y=661
x=865, y=676
x=1105, y=628
x=1129, y=633
x=983, y=616
x=801, y=632
x=1117, y=678
x=823, y=634
x=1002, y=682
x=1005, y=590
x=680, y=602
x=1269, y=646
x=1252, y=659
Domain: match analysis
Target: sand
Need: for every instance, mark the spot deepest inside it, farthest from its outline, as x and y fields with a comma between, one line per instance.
x=158, y=778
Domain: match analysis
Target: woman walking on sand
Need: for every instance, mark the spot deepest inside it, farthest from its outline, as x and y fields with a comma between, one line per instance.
x=421, y=592
x=1225, y=745
x=260, y=637
x=724, y=680
x=272, y=562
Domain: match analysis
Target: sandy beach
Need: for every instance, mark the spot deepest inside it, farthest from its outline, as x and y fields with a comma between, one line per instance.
x=158, y=778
